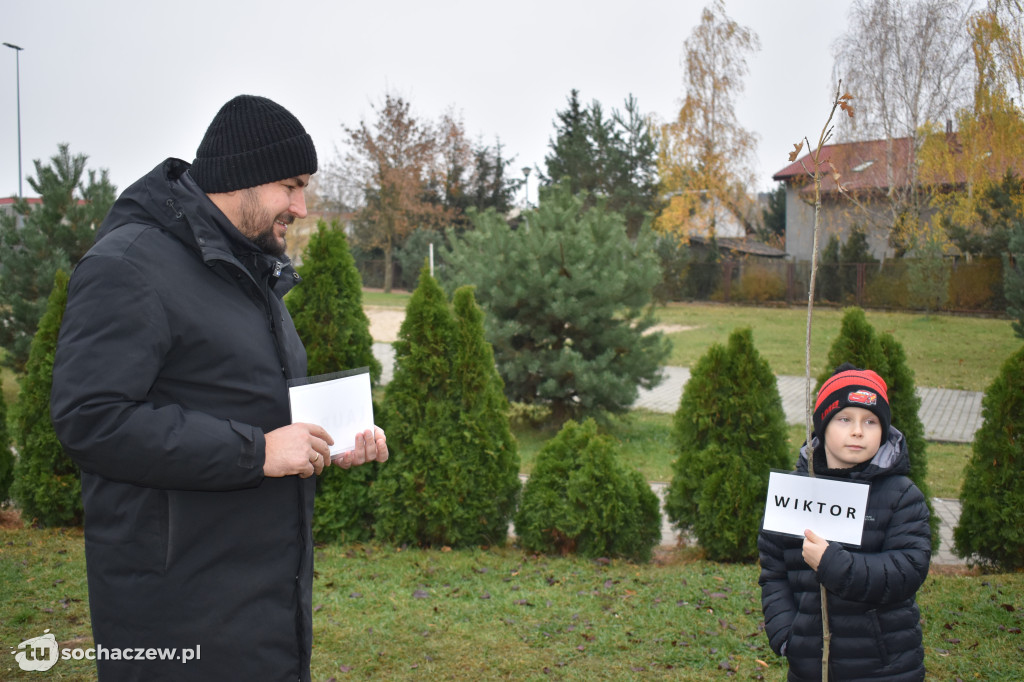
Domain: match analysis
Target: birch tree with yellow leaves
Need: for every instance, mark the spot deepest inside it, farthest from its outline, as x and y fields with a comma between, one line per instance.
x=705, y=156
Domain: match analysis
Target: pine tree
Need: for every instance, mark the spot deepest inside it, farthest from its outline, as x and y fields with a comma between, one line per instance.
x=53, y=236
x=581, y=500
x=991, y=528
x=47, y=484
x=450, y=479
x=858, y=344
x=327, y=308
x=565, y=295
x=729, y=431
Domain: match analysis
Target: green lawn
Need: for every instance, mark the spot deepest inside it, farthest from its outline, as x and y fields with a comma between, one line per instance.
x=644, y=440
x=386, y=613
x=944, y=351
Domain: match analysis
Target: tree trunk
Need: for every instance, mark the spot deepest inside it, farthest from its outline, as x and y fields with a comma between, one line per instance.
x=388, y=269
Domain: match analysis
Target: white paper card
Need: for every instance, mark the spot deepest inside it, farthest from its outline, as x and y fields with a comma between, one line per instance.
x=832, y=508
x=341, y=403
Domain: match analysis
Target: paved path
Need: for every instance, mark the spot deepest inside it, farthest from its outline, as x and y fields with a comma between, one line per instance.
x=947, y=415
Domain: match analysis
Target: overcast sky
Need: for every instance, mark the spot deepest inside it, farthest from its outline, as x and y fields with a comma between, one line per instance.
x=130, y=82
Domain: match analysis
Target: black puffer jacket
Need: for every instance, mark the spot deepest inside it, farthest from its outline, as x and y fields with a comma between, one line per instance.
x=171, y=365
x=876, y=630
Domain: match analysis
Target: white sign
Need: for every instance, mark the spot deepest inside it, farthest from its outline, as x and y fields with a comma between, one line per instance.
x=832, y=508
x=341, y=403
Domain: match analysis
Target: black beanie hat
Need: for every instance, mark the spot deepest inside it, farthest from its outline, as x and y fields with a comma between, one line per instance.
x=851, y=387
x=252, y=141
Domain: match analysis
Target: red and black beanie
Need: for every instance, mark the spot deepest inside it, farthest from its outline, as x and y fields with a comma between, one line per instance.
x=851, y=387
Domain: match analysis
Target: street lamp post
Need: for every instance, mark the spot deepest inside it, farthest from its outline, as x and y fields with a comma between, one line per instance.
x=17, y=70
x=526, y=185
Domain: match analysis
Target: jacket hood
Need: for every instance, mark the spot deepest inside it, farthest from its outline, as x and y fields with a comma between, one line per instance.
x=170, y=199
x=891, y=459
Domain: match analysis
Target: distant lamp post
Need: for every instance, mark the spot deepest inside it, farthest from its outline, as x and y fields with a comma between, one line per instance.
x=526, y=184
x=17, y=70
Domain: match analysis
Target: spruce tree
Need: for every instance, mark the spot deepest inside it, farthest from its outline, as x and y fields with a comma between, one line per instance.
x=47, y=483
x=854, y=251
x=991, y=528
x=327, y=308
x=580, y=499
x=36, y=242
x=450, y=477
x=830, y=283
x=611, y=158
x=567, y=298
x=858, y=344
x=730, y=432
x=6, y=456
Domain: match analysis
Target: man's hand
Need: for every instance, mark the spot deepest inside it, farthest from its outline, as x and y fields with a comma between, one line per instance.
x=302, y=449
x=814, y=548
x=371, y=446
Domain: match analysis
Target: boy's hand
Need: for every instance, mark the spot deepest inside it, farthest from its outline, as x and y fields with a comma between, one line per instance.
x=814, y=548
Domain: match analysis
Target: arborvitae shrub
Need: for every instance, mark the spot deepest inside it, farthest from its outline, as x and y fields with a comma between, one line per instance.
x=728, y=505
x=580, y=499
x=452, y=478
x=858, y=344
x=492, y=456
x=991, y=528
x=6, y=456
x=730, y=419
x=47, y=484
x=327, y=308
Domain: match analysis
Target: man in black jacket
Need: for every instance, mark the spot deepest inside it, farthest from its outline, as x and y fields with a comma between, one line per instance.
x=170, y=392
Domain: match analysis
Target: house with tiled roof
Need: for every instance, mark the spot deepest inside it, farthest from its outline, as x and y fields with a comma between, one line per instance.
x=868, y=172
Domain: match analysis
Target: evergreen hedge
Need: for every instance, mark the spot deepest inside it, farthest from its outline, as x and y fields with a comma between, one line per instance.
x=452, y=477
x=47, y=484
x=991, y=528
x=580, y=499
x=327, y=308
x=858, y=344
x=730, y=432
x=6, y=456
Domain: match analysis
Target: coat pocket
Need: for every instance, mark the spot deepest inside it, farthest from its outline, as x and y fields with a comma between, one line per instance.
x=879, y=636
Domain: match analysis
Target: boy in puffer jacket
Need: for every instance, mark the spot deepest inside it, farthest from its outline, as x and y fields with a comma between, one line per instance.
x=874, y=620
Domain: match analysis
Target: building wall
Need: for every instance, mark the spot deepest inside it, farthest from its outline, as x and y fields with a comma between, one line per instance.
x=838, y=217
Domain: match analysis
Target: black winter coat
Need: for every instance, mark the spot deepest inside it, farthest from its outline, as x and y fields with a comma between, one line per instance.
x=875, y=622
x=172, y=363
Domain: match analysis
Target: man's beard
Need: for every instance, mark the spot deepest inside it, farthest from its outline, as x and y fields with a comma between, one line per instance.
x=257, y=224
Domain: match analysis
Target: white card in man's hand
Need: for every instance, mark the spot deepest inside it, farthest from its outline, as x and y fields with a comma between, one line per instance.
x=340, y=402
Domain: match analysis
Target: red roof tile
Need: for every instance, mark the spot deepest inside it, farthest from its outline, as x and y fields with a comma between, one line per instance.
x=861, y=165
